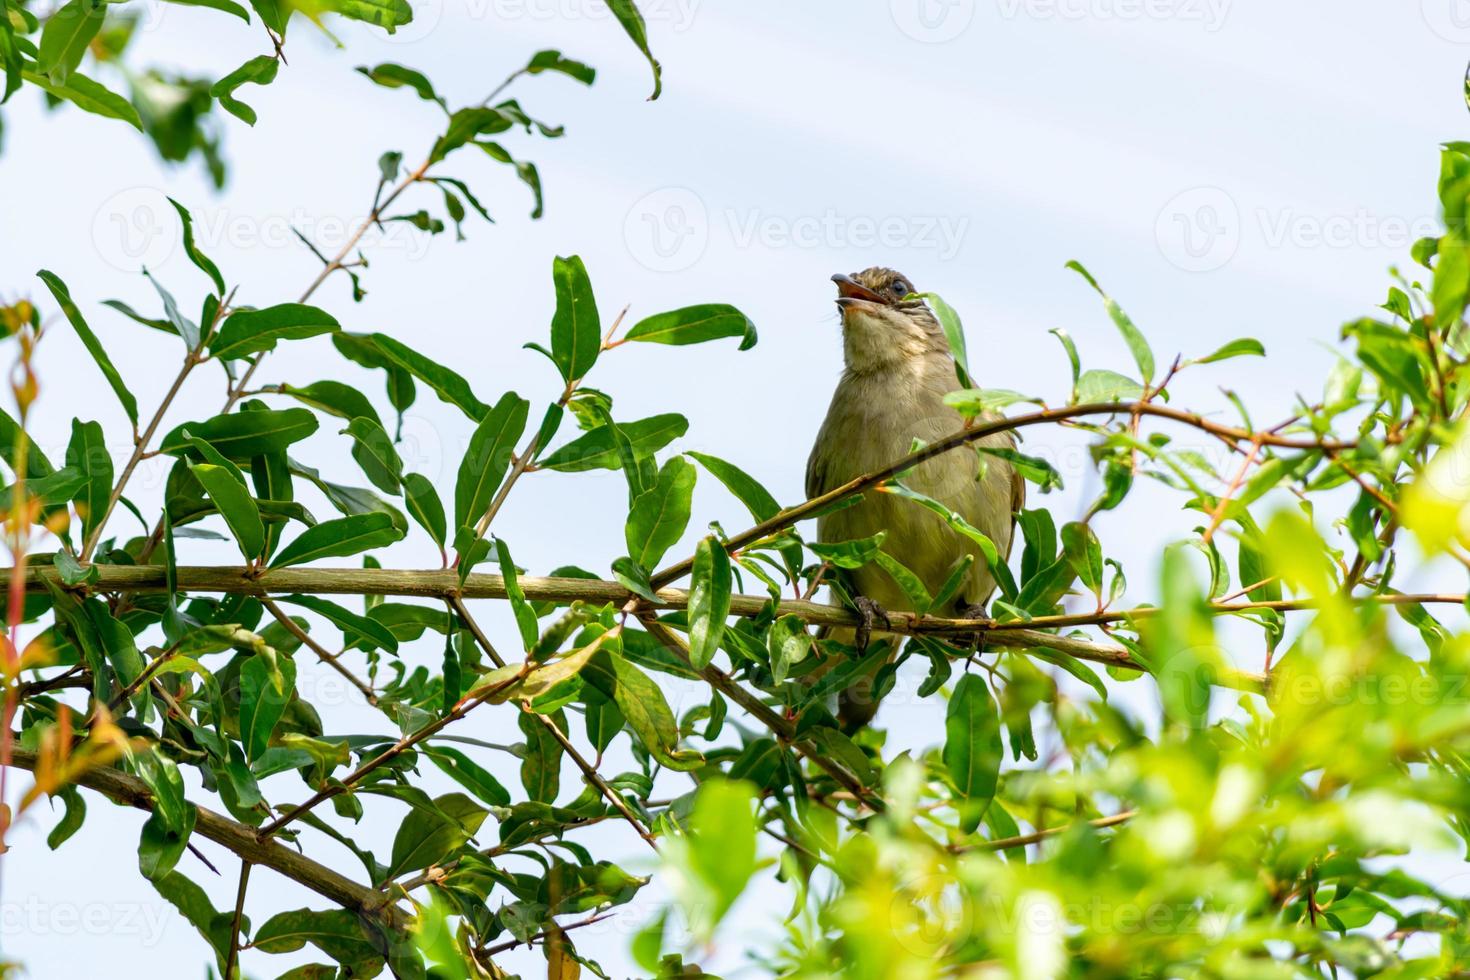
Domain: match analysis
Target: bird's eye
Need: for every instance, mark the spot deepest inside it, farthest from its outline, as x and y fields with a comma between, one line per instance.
x=901, y=288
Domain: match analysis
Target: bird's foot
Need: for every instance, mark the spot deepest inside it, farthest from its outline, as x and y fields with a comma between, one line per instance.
x=975, y=641
x=872, y=615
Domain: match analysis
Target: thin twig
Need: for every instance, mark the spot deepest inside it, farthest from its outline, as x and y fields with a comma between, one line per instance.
x=780, y=727
x=1227, y=433
x=241, y=839
x=588, y=770
x=388, y=755
x=234, y=953
x=1026, y=840
x=323, y=654
x=140, y=446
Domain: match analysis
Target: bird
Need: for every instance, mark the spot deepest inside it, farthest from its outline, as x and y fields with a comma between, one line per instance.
x=897, y=368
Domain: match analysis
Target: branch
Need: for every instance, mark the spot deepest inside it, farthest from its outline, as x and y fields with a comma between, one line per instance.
x=781, y=727
x=1026, y=840
x=1226, y=433
x=128, y=790
x=322, y=653
x=444, y=584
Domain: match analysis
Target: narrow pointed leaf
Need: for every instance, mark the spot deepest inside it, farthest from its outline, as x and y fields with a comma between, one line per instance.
x=90, y=341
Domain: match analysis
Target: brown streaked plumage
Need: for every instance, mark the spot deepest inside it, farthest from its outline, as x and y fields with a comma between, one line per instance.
x=898, y=368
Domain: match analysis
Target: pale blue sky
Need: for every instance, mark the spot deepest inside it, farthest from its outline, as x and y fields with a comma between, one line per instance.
x=1224, y=168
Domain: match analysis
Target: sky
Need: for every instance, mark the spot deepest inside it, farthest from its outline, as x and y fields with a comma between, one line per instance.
x=1224, y=169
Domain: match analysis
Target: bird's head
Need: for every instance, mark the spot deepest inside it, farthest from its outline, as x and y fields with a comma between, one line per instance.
x=883, y=321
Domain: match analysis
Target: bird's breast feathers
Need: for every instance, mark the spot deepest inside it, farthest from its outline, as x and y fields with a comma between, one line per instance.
x=875, y=419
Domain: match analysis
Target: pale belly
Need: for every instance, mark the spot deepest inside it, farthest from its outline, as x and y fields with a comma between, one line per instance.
x=978, y=487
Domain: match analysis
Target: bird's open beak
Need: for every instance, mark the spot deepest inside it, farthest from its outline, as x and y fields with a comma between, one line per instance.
x=851, y=292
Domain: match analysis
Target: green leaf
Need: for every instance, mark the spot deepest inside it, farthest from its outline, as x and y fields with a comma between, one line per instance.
x=988, y=550
x=644, y=707
x=53, y=490
x=428, y=835
x=709, y=600
x=230, y=496
x=266, y=687
x=1082, y=549
x=260, y=70
x=362, y=631
x=65, y=37
x=1073, y=359
x=245, y=434
x=1033, y=468
x=89, y=96
x=597, y=449
x=449, y=386
x=159, y=847
x=187, y=329
x=465, y=771
x=334, y=398
x=117, y=640
x=191, y=248
x=954, y=333
x=90, y=341
x=1244, y=347
x=87, y=454
x=374, y=452
x=721, y=844
x=633, y=577
x=255, y=331
x=788, y=644
x=1143, y=355
x=340, y=538
x=972, y=402
x=756, y=498
x=576, y=329
x=972, y=748
x=524, y=614
x=849, y=554
x=912, y=586
x=424, y=506
x=1451, y=283
x=695, y=325
x=626, y=11
x=541, y=764
x=35, y=464
x=552, y=60
x=387, y=14
x=71, y=820
x=1102, y=385
x=488, y=457
x=228, y=6
x=338, y=933
x=390, y=75
x=659, y=516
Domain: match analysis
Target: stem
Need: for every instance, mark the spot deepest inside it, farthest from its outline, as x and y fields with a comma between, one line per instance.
x=335, y=263
x=1226, y=433
x=1025, y=840
x=324, y=655
x=241, y=839
x=783, y=729
x=234, y=953
x=388, y=755
x=588, y=770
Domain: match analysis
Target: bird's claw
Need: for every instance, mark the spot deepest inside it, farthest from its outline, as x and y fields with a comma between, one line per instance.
x=871, y=615
x=975, y=641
